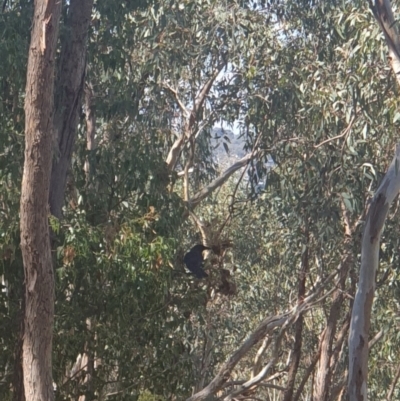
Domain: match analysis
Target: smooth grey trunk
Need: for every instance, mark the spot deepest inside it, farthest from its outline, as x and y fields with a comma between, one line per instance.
x=387, y=191
x=361, y=314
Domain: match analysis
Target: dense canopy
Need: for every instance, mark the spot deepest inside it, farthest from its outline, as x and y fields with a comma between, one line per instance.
x=259, y=128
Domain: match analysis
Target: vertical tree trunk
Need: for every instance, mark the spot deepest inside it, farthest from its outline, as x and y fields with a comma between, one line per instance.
x=18, y=374
x=361, y=313
x=90, y=131
x=298, y=338
x=324, y=373
x=35, y=242
x=69, y=89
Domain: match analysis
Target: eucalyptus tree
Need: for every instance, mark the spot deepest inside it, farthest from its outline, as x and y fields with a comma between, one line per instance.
x=307, y=86
x=377, y=213
x=305, y=94
x=154, y=113
x=35, y=241
x=329, y=97
x=38, y=300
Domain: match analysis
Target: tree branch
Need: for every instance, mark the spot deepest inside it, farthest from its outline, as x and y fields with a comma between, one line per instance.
x=176, y=148
x=344, y=133
x=206, y=191
x=206, y=88
x=174, y=152
x=262, y=330
x=393, y=384
x=183, y=108
x=263, y=372
x=223, y=375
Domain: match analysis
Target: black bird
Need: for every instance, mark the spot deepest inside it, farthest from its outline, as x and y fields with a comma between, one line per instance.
x=194, y=261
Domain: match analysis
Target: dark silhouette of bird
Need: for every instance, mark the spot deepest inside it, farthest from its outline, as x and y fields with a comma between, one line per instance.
x=194, y=260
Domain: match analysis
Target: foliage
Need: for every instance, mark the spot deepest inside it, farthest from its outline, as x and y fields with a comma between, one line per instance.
x=309, y=86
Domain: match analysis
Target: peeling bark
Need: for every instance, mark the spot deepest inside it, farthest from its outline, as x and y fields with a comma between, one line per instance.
x=35, y=241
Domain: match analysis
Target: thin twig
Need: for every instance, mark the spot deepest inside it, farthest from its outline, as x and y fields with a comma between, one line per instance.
x=345, y=132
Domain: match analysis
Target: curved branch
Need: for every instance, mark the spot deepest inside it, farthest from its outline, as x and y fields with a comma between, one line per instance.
x=223, y=375
x=266, y=326
x=256, y=380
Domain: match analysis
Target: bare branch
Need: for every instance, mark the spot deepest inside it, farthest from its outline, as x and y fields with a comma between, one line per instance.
x=324, y=373
x=174, y=152
x=224, y=373
x=306, y=375
x=261, y=332
x=263, y=372
x=338, y=349
x=174, y=92
x=188, y=165
x=176, y=148
x=206, y=88
x=204, y=231
x=260, y=353
x=298, y=327
x=377, y=337
x=206, y=191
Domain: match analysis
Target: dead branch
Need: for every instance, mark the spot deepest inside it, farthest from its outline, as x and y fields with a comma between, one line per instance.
x=256, y=380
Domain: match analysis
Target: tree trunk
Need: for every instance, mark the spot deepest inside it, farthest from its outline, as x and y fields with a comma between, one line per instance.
x=35, y=242
x=361, y=314
x=324, y=373
x=69, y=89
x=18, y=374
x=298, y=338
x=90, y=131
